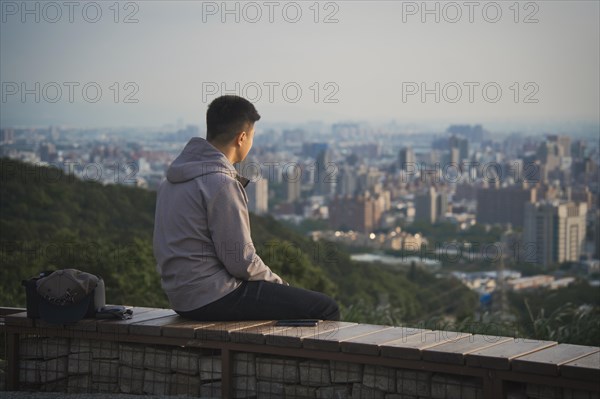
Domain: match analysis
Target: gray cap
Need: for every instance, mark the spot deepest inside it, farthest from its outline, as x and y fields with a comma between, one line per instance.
x=66, y=287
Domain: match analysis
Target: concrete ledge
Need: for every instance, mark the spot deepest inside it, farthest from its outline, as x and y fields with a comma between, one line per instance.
x=159, y=353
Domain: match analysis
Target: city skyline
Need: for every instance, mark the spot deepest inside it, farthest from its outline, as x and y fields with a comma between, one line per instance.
x=373, y=62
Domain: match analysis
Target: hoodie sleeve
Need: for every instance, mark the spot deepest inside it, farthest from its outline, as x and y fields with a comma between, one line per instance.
x=229, y=227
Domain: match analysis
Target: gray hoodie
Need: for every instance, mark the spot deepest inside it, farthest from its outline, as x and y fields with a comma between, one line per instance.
x=202, y=241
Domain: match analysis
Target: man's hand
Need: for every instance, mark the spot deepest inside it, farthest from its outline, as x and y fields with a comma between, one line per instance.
x=284, y=282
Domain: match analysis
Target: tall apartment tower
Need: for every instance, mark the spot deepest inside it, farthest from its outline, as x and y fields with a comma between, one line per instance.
x=359, y=213
x=406, y=157
x=554, y=232
x=293, y=189
x=325, y=174
x=504, y=205
x=431, y=206
x=348, y=181
x=258, y=196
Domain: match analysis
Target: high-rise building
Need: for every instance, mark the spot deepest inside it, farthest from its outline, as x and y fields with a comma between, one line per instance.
x=461, y=144
x=7, y=136
x=430, y=206
x=563, y=144
x=554, y=232
x=406, y=159
x=326, y=174
x=48, y=152
x=454, y=156
x=359, y=213
x=348, y=181
x=504, y=205
x=258, y=196
x=293, y=189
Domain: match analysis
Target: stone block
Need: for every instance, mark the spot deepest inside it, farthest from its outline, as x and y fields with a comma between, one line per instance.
x=105, y=370
x=131, y=355
x=184, y=384
x=244, y=364
x=55, y=347
x=343, y=372
x=184, y=361
x=333, y=392
x=244, y=386
x=79, y=363
x=269, y=389
x=360, y=391
x=536, y=391
x=157, y=359
x=380, y=377
x=516, y=394
x=210, y=367
x=569, y=393
x=105, y=387
x=156, y=383
x=105, y=350
x=211, y=390
x=77, y=345
x=416, y=383
x=131, y=380
x=30, y=348
x=471, y=392
x=29, y=371
x=54, y=386
x=299, y=391
x=315, y=373
x=446, y=386
x=277, y=370
x=79, y=383
x=53, y=369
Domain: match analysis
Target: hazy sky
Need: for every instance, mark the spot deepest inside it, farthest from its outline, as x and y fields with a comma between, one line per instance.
x=370, y=61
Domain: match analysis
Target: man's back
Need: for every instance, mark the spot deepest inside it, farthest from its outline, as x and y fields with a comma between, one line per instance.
x=202, y=238
x=208, y=265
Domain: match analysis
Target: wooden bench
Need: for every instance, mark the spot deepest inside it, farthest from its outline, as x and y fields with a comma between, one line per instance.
x=499, y=362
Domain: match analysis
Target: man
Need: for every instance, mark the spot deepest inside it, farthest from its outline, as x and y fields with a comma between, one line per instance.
x=208, y=265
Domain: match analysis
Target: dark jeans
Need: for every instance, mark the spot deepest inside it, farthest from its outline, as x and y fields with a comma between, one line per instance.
x=262, y=300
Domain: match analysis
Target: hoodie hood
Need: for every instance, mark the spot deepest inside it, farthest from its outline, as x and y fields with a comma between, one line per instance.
x=199, y=158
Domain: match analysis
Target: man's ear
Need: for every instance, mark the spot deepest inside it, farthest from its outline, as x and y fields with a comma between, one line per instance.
x=240, y=137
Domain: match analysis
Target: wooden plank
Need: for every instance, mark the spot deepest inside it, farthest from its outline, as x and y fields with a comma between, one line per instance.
x=585, y=368
x=454, y=352
x=330, y=341
x=88, y=324
x=92, y=324
x=412, y=346
x=185, y=329
x=18, y=319
x=221, y=331
x=370, y=344
x=293, y=337
x=122, y=326
x=548, y=361
x=257, y=334
x=153, y=327
x=500, y=356
x=4, y=310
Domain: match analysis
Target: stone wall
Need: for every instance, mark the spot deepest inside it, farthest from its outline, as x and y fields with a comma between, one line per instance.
x=76, y=365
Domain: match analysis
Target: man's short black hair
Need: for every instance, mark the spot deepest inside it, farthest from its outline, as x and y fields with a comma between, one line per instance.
x=227, y=116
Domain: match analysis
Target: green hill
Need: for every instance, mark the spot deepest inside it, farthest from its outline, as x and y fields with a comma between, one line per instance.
x=51, y=220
